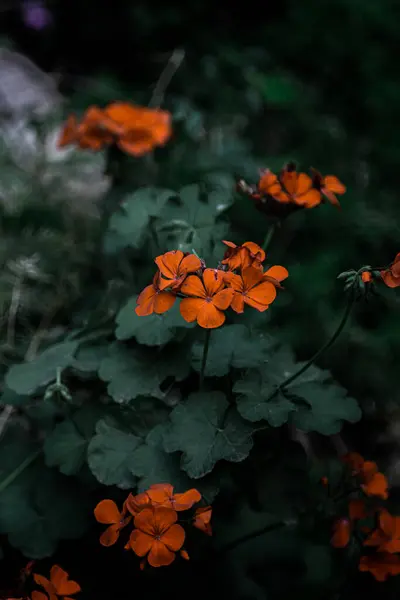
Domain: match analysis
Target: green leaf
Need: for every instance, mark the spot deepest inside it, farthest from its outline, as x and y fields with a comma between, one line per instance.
x=27, y=378
x=38, y=508
x=253, y=401
x=13, y=399
x=231, y=346
x=88, y=358
x=324, y=407
x=188, y=221
x=151, y=464
x=129, y=226
x=66, y=446
x=109, y=455
x=206, y=428
x=256, y=391
x=153, y=330
x=313, y=402
x=132, y=373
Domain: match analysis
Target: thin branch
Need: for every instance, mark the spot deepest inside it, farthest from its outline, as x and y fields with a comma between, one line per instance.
x=4, y=417
x=165, y=78
x=12, y=315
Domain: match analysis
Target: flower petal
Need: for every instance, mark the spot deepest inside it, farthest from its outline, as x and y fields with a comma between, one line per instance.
x=40, y=596
x=237, y=303
x=63, y=586
x=187, y=499
x=110, y=535
x=223, y=299
x=156, y=520
x=333, y=184
x=159, y=555
x=251, y=277
x=190, y=263
x=236, y=282
x=169, y=262
x=107, y=512
x=174, y=537
x=310, y=199
x=263, y=294
x=190, y=308
x=45, y=583
x=161, y=493
x=193, y=286
x=304, y=184
x=163, y=301
x=210, y=317
x=140, y=542
x=213, y=280
x=341, y=535
x=277, y=272
x=145, y=301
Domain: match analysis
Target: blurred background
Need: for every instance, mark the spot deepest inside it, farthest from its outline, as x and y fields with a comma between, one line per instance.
x=314, y=82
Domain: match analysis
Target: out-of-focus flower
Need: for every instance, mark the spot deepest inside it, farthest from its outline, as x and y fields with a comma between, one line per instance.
x=35, y=14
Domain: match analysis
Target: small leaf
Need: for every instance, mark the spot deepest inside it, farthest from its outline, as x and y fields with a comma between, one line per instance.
x=231, y=346
x=328, y=406
x=254, y=402
x=206, y=428
x=153, y=330
x=39, y=507
x=28, y=377
x=109, y=455
x=152, y=464
x=133, y=373
x=192, y=218
x=129, y=226
x=66, y=446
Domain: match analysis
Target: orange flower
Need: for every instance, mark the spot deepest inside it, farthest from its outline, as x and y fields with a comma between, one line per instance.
x=253, y=289
x=342, y=528
x=299, y=188
x=70, y=132
x=135, y=130
x=157, y=535
x=208, y=299
x=387, y=535
x=366, y=277
x=202, y=519
x=139, y=129
x=374, y=483
x=134, y=504
x=270, y=185
x=162, y=494
x=329, y=186
x=174, y=267
x=391, y=276
x=59, y=585
x=381, y=565
x=107, y=513
x=154, y=300
x=241, y=257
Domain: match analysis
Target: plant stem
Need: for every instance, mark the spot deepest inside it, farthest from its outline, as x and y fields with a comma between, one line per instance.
x=204, y=360
x=250, y=536
x=14, y=474
x=268, y=237
x=329, y=343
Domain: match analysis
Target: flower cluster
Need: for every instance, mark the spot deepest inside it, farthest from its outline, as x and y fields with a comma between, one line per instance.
x=279, y=195
x=364, y=280
x=372, y=524
x=391, y=275
x=156, y=535
x=134, y=129
x=206, y=293
x=58, y=587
